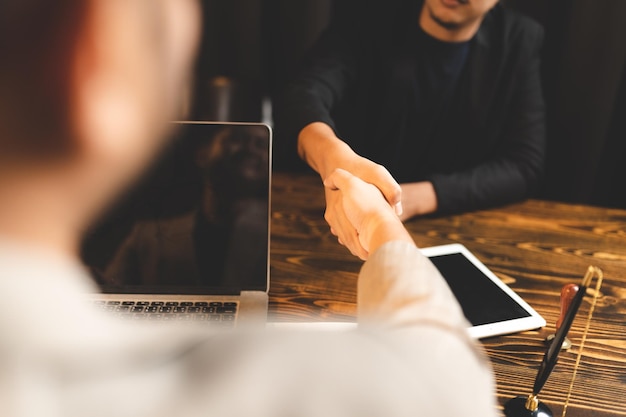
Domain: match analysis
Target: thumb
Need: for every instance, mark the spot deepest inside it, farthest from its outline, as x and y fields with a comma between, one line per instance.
x=338, y=179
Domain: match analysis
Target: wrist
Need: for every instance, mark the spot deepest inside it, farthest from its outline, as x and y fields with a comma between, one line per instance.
x=380, y=229
x=322, y=149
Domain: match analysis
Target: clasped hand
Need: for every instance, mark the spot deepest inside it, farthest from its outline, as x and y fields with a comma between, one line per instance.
x=358, y=202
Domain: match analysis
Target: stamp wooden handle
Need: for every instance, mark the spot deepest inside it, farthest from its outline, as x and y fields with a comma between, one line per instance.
x=567, y=295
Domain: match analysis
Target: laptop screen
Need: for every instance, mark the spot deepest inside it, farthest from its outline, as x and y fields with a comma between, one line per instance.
x=196, y=223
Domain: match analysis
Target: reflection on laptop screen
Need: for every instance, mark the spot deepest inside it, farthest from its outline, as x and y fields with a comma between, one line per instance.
x=196, y=223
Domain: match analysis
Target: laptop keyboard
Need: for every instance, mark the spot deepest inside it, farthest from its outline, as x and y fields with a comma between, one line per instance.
x=216, y=313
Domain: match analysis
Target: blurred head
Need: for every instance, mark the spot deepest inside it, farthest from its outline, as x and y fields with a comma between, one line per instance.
x=89, y=86
x=454, y=20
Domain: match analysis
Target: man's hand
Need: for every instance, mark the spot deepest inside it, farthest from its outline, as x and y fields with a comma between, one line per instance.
x=362, y=207
x=319, y=146
x=376, y=175
x=418, y=199
x=388, y=192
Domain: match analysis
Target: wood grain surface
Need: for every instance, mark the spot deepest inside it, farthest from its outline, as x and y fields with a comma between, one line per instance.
x=535, y=247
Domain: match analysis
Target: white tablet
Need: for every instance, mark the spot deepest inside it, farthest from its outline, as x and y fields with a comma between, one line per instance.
x=489, y=304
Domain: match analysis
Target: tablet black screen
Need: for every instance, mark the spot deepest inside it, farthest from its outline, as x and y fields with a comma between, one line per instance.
x=482, y=301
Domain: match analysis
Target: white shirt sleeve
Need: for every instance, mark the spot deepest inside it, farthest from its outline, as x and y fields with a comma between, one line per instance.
x=410, y=356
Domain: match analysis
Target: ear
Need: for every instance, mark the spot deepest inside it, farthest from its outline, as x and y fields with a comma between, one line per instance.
x=85, y=72
x=111, y=107
x=128, y=69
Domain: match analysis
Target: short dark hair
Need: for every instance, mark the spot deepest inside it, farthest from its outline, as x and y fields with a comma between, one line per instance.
x=37, y=38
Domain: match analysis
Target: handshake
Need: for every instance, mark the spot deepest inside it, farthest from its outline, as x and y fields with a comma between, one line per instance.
x=361, y=217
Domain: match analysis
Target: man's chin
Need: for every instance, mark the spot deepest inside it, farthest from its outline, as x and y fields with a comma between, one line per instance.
x=445, y=23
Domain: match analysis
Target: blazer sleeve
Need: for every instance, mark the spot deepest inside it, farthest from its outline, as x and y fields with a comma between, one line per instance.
x=327, y=71
x=512, y=172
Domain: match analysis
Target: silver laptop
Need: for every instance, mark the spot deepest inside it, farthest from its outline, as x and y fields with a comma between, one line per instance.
x=190, y=241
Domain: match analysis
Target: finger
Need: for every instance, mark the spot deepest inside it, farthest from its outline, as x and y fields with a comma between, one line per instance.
x=351, y=242
x=349, y=238
x=381, y=178
x=344, y=230
x=398, y=209
x=336, y=217
x=360, y=253
x=357, y=250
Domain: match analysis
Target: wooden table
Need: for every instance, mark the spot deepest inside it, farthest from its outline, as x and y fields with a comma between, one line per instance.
x=535, y=247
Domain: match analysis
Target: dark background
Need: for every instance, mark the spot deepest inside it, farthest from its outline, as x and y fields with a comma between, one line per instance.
x=251, y=48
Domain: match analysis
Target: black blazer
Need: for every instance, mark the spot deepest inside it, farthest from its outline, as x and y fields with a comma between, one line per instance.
x=489, y=146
